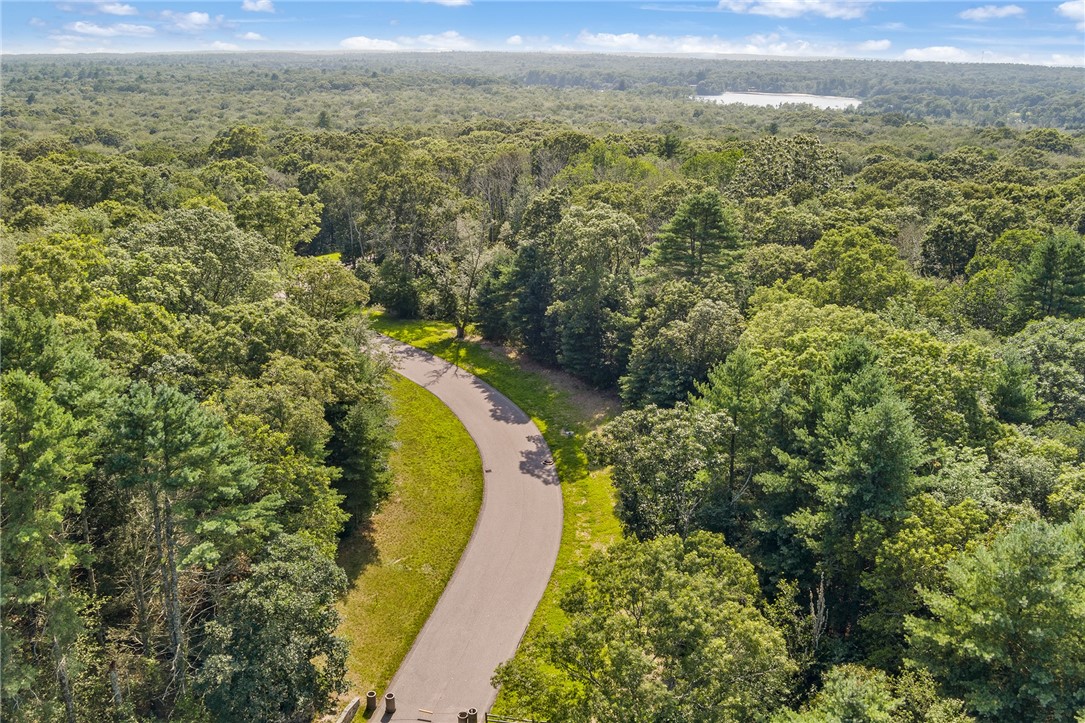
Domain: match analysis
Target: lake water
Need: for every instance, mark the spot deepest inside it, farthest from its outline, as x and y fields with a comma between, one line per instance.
x=834, y=102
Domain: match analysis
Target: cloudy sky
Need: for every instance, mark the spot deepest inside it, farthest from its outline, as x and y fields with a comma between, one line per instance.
x=1026, y=31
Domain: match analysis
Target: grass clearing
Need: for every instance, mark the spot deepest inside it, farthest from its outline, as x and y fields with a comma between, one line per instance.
x=559, y=406
x=398, y=566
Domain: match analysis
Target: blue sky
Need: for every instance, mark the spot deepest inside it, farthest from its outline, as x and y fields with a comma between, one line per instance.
x=1028, y=31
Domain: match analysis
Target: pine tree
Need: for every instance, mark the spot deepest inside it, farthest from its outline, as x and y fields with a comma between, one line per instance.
x=693, y=243
x=46, y=458
x=179, y=463
x=1053, y=282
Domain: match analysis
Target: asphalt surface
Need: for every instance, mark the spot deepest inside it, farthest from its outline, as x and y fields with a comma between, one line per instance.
x=486, y=606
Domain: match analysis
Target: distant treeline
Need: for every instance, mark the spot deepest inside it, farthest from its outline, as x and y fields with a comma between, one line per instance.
x=987, y=94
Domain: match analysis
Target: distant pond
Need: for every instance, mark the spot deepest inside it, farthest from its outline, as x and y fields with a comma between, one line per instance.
x=834, y=102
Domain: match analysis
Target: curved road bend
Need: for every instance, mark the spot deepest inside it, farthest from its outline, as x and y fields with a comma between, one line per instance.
x=486, y=606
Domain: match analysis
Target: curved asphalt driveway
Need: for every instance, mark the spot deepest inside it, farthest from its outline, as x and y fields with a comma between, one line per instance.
x=486, y=606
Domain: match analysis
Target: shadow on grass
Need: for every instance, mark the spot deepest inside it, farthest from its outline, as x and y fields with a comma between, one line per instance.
x=528, y=392
x=357, y=551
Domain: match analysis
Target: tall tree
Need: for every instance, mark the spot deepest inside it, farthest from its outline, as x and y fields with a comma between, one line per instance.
x=47, y=455
x=273, y=654
x=1007, y=629
x=685, y=332
x=1053, y=281
x=667, y=465
x=843, y=471
x=287, y=219
x=734, y=388
x=693, y=244
x=179, y=464
x=666, y=630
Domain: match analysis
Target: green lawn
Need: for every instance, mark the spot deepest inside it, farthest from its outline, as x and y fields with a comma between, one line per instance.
x=554, y=406
x=398, y=567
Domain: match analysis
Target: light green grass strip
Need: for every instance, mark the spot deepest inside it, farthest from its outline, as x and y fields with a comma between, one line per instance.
x=588, y=495
x=398, y=567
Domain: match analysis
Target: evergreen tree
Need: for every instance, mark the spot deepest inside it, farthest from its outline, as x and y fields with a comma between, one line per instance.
x=694, y=242
x=47, y=456
x=1006, y=632
x=1053, y=281
x=178, y=463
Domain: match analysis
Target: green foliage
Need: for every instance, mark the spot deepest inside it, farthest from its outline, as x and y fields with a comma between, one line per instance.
x=48, y=454
x=1055, y=351
x=774, y=165
x=238, y=142
x=151, y=244
x=191, y=260
x=693, y=242
x=666, y=467
x=858, y=270
x=324, y=289
x=287, y=219
x=950, y=242
x=845, y=474
x=856, y=694
x=1006, y=631
x=1052, y=283
x=663, y=630
x=359, y=448
x=596, y=249
x=56, y=274
x=914, y=558
x=272, y=651
x=683, y=335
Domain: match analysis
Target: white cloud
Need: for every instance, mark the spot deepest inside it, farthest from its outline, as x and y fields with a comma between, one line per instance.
x=841, y=9
x=448, y=40
x=116, y=9
x=1075, y=10
x=219, y=45
x=191, y=22
x=37, y=22
x=991, y=12
x=770, y=44
x=950, y=54
x=449, y=3
x=514, y=40
x=110, y=31
x=361, y=42
x=873, y=45
x=75, y=43
x=1061, y=59
x=250, y=36
x=258, y=6
x=943, y=53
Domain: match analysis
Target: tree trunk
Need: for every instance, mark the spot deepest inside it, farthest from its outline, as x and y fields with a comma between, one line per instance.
x=163, y=534
x=173, y=611
x=64, y=681
x=115, y=686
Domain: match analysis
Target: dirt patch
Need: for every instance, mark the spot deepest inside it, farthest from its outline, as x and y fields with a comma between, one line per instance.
x=595, y=406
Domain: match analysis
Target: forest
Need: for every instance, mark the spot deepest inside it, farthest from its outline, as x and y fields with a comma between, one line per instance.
x=849, y=348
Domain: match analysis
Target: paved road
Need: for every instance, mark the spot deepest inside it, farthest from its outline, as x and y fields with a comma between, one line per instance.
x=484, y=611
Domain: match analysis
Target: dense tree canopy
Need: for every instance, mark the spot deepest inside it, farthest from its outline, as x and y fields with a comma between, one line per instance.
x=665, y=630
x=851, y=342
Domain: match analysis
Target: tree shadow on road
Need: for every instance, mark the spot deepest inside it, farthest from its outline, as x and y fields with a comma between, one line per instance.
x=538, y=461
